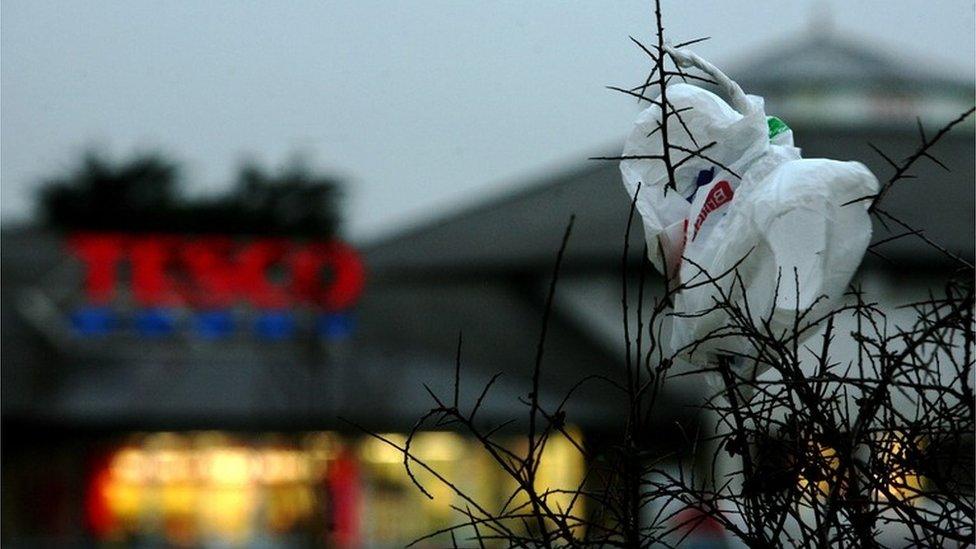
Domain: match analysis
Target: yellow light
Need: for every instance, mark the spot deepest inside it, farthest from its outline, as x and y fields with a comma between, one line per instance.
x=172, y=466
x=376, y=451
x=903, y=483
x=228, y=494
x=828, y=458
x=125, y=501
x=322, y=448
x=210, y=487
x=227, y=511
x=437, y=446
x=560, y=470
x=227, y=465
x=279, y=466
x=178, y=499
x=204, y=484
x=129, y=465
x=287, y=505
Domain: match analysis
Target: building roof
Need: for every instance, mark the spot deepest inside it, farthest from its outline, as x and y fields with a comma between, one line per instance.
x=839, y=96
x=827, y=80
x=827, y=57
x=522, y=231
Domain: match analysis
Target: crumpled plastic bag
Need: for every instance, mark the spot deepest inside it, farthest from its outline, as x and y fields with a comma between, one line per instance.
x=791, y=228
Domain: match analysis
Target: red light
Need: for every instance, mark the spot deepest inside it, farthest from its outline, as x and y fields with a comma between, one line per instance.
x=343, y=482
x=100, y=254
x=214, y=275
x=150, y=283
x=213, y=271
x=348, y=275
x=98, y=514
x=254, y=261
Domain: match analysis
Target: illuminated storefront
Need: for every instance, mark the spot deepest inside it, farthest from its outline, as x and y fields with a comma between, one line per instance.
x=221, y=489
x=196, y=384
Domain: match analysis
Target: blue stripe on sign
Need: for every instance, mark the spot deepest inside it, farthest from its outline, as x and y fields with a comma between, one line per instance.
x=214, y=324
x=336, y=326
x=93, y=321
x=155, y=322
x=275, y=325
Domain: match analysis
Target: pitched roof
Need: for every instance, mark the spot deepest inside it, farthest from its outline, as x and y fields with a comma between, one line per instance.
x=817, y=84
x=827, y=80
x=822, y=57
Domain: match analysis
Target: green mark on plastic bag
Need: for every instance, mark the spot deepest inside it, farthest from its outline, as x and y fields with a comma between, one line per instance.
x=776, y=126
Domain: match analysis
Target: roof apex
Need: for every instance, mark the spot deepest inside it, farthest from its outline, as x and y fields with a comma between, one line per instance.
x=825, y=56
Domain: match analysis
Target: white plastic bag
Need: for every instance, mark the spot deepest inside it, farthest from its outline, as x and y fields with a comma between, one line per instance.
x=753, y=207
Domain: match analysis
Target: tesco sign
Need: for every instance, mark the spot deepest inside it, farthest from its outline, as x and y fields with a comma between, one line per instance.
x=218, y=284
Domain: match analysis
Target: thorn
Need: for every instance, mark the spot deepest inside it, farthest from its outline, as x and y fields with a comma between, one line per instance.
x=936, y=160
x=690, y=42
x=634, y=94
x=643, y=47
x=921, y=130
x=885, y=156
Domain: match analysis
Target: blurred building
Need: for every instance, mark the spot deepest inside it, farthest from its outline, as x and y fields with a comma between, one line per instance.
x=186, y=439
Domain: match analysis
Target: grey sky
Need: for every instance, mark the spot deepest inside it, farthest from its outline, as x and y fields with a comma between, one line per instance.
x=424, y=107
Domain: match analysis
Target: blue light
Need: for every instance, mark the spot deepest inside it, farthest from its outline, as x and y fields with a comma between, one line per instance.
x=275, y=325
x=214, y=324
x=93, y=321
x=336, y=326
x=155, y=322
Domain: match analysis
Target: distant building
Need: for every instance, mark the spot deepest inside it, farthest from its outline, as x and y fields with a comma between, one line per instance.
x=70, y=402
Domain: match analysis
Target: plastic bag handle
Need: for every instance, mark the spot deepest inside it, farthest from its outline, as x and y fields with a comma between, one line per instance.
x=687, y=58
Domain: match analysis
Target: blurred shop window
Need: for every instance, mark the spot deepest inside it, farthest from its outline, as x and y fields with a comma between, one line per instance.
x=214, y=489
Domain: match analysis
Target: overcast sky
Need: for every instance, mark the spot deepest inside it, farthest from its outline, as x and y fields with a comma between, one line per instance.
x=423, y=107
